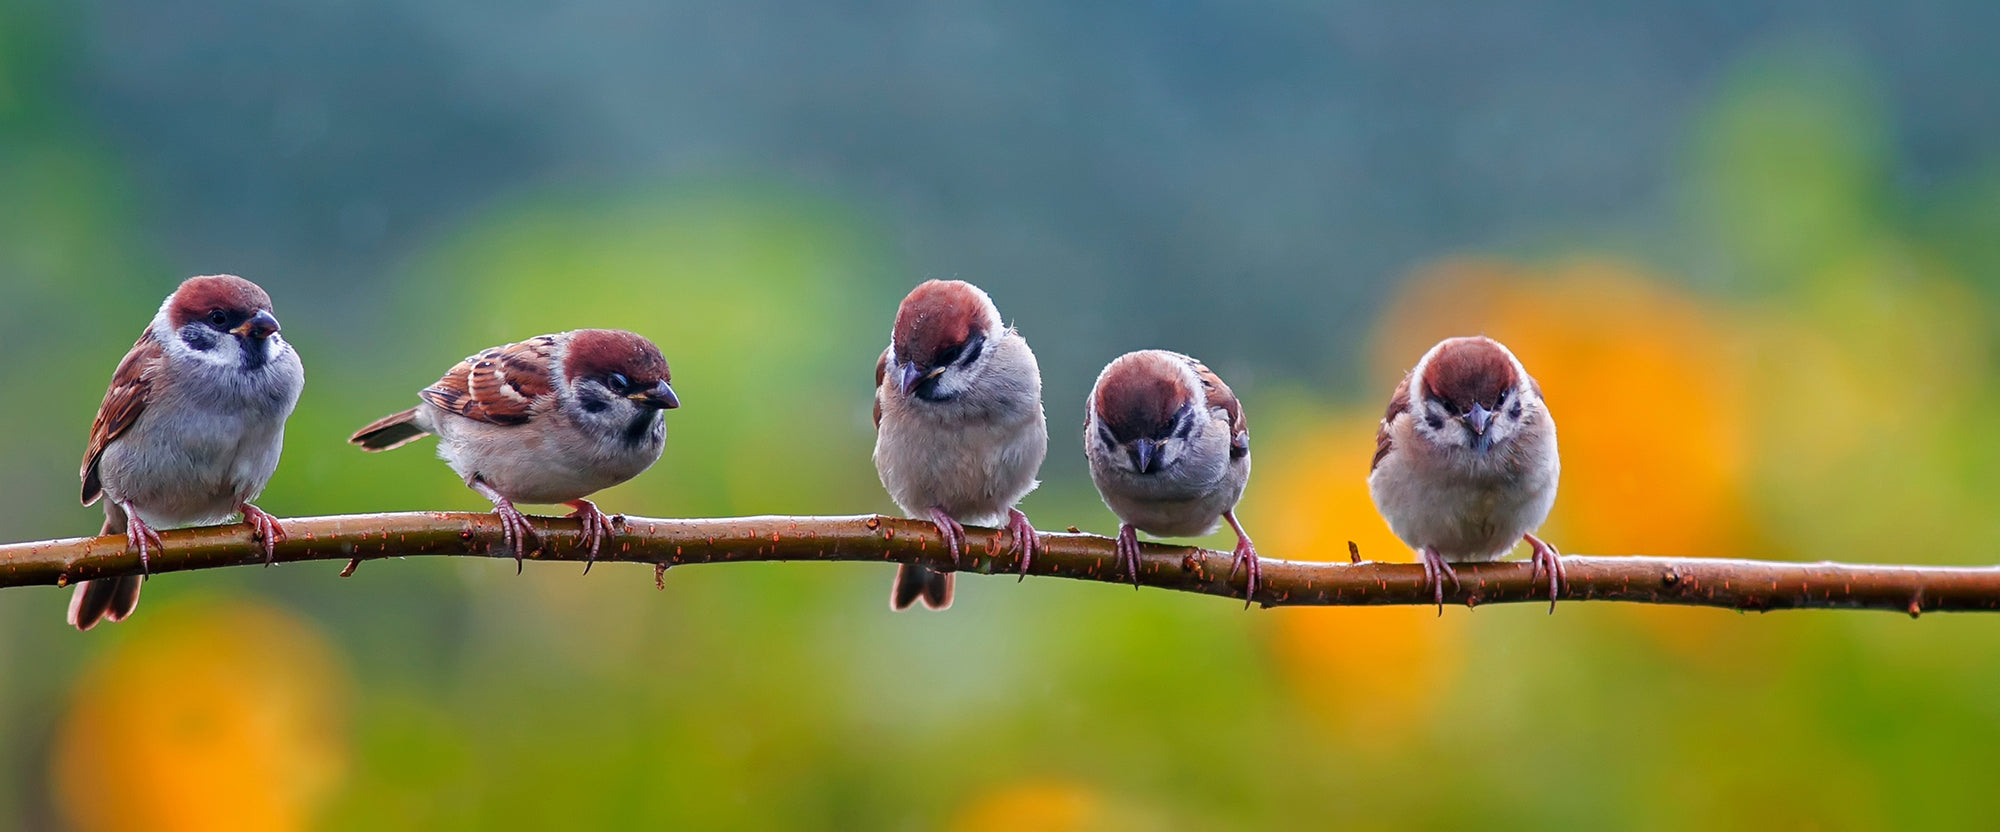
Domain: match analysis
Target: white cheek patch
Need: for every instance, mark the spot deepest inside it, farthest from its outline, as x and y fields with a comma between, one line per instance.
x=225, y=353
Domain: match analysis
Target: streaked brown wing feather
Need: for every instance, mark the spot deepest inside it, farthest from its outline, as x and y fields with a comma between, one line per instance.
x=498, y=386
x=1399, y=403
x=881, y=372
x=1218, y=395
x=123, y=402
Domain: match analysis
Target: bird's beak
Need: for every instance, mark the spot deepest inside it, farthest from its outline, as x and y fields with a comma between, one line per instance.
x=1147, y=452
x=659, y=397
x=907, y=377
x=1478, y=418
x=261, y=325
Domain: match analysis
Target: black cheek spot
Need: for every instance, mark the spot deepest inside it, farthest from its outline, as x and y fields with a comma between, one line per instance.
x=1435, y=422
x=199, y=337
x=641, y=426
x=1515, y=413
x=928, y=390
x=592, y=402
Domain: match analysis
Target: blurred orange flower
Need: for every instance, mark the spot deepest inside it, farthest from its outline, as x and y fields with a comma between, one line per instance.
x=1051, y=806
x=1645, y=383
x=1372, y=674
x=218, y=716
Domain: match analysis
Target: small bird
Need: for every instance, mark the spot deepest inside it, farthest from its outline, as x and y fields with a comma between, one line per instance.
x=1465, y=461
x=1169, y=450
x=190, y=430
x=959, y=429
x=552, y=419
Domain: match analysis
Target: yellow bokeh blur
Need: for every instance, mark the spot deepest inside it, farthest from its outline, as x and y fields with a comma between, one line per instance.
x=1870, y=377
x=1370, y=674
x=1044, y=805
x=216, y=715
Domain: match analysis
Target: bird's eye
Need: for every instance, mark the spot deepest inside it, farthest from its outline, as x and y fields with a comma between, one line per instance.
x=950, y=356
x=619, y=382
x=218, y=318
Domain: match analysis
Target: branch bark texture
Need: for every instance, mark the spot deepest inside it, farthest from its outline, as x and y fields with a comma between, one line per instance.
x=1732, y=584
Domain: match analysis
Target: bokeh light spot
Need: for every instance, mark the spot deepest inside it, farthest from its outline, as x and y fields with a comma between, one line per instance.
x=224, y=715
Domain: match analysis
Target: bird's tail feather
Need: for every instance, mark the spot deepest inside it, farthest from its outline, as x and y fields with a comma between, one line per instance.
x=914, y=583
x=392, y=431
x=108, y=599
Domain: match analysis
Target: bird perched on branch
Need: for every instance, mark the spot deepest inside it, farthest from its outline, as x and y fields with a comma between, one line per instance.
x=551, y=419
x=1465, y=462
x=959, y=429
x=190, y=430
x=1169, y=451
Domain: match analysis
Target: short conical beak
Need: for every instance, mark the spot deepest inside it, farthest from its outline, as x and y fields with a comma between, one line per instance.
x=1478, y=418
x=907, y=377
x=1145, y=453
x=660, y=396
x=261, y=325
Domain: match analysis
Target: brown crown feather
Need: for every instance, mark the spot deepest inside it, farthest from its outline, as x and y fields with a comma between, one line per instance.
x=1467, y=370
x=1140, y=392
x=197, y=296
x=937, y=316
x=600, y=352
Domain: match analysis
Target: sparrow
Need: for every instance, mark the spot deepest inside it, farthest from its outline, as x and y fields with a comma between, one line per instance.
x=1465, y=461
x=190, y=430
x=959, y=428
x=1169, y=451
x=552, y=419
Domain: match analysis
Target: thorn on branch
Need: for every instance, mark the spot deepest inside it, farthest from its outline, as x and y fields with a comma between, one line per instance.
x=660, y=575
x=1353, y=552
x=348, y=570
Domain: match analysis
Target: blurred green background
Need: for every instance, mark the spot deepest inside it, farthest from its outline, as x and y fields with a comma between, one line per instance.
x=1749, y=249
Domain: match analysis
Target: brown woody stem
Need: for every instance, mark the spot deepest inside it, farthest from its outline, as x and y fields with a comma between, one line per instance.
x=1733, y=584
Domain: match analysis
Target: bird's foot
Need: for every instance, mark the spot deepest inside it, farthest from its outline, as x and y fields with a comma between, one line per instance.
x=951, y=531
x=141, y=537
x=1246, y=559
x=1436, y=569
x=1128, y=552
x=265, y=528
x=1025, y=538
x=514, y=526
x=1547, y=558
x=597, y=526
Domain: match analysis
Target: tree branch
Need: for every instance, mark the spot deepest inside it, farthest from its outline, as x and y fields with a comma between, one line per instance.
x=1732, y=584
